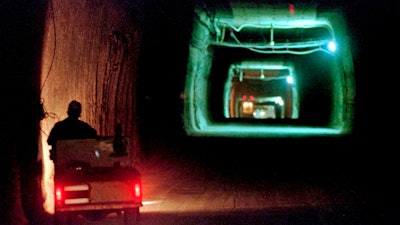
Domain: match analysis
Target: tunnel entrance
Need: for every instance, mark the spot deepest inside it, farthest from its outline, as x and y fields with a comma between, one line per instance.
x=262, y=70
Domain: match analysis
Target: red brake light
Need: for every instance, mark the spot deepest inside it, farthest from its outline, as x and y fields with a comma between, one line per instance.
x=291, y=9
x=59, y=195
x=137, y=189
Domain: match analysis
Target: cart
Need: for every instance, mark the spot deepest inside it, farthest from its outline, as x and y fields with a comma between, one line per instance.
x=94, y=179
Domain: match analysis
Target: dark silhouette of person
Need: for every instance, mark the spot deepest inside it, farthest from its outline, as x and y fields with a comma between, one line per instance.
x=70, y=128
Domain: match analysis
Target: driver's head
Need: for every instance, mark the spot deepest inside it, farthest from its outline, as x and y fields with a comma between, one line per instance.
x=74, y=109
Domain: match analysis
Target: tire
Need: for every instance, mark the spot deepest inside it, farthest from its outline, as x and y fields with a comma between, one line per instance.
x=131, y=216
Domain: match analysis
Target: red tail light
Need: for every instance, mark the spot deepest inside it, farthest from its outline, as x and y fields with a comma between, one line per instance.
x=137, y=189
x=59, y=195
x=291, y=9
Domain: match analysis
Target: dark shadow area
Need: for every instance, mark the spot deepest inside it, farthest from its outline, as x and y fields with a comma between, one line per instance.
x=328, y=163
x=21, y=25
x=344, y=215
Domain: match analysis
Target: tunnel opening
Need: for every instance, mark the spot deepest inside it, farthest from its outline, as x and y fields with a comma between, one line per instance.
x=236, y=84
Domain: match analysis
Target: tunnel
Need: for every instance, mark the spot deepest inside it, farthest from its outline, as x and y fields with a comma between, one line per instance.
x=247, y=47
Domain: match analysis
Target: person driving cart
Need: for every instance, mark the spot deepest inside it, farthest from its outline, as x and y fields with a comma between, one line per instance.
x=70, y=128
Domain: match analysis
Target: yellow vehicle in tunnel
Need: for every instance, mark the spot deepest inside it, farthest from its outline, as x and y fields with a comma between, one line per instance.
x=237, y=48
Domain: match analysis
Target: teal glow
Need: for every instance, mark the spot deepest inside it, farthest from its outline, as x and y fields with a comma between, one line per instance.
x=246, y=131
x=332, y=46
x=289, y=79
x=208, y=102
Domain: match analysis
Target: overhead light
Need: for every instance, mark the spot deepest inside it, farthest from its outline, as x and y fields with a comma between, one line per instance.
x=332, y=46
x=289, y=79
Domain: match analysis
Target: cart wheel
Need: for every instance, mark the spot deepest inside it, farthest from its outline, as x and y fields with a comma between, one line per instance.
x=63, y=218
x=131, y=216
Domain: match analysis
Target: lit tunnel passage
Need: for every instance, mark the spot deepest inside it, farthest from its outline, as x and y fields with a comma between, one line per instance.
x=239, y=56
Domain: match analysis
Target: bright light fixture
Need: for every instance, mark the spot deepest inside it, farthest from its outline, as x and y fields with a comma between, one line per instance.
x=332, y=46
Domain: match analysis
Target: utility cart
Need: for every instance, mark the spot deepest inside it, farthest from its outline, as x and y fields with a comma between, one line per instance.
x=94, y=178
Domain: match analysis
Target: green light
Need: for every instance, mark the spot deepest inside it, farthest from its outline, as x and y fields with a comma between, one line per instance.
x=332, y=46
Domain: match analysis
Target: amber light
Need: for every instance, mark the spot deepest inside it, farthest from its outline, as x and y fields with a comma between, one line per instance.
x=247, y=107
